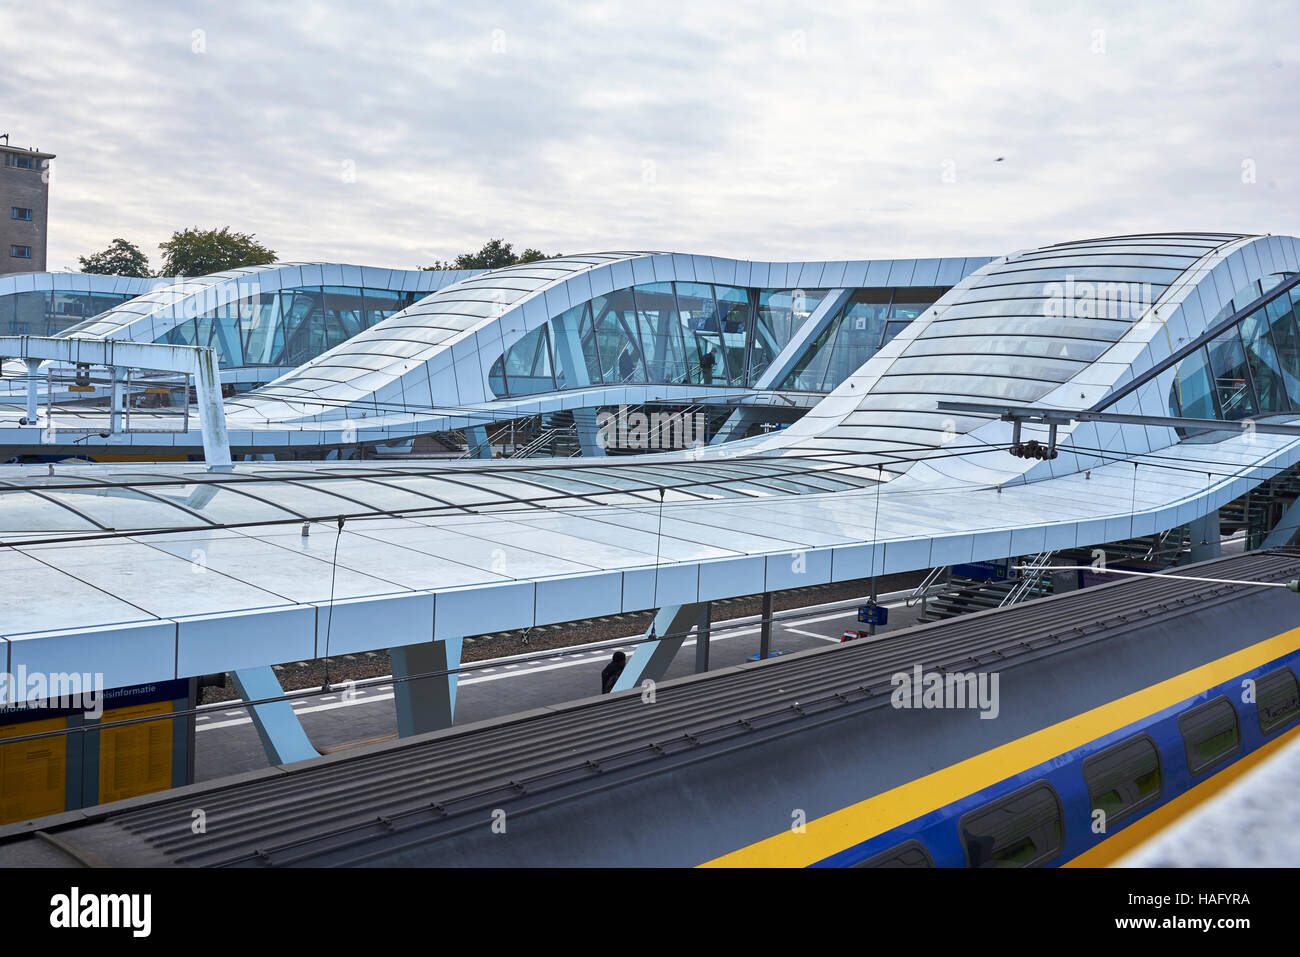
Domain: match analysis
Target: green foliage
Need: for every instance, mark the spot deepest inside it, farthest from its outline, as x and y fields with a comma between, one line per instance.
x=197, y=252
x=494, y=254
x=119, y=259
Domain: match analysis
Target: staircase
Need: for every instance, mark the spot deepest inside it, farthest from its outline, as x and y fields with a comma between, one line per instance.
x=557, y=438
x=965, y=595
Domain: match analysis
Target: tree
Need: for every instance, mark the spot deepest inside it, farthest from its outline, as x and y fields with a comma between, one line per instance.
x=119, y=259
x=495, y=254
x=197, y=252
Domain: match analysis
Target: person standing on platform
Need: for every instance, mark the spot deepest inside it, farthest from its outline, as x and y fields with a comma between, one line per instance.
x=612, y=671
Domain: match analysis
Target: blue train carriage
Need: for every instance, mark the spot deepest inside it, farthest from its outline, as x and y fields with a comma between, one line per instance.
x=1094, y=787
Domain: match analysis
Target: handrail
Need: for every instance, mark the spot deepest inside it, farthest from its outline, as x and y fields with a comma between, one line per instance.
x=1030, y=577
x=921, y=592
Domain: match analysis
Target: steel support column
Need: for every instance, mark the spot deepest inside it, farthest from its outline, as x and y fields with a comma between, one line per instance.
x=651, y=659
x=702, y=628
x=425, y=704
x=1205, y=537
x=476, y=438
x=765, y=630
x=1284, y=532
x=584, y=420
x=277, y=726
x=33, y=367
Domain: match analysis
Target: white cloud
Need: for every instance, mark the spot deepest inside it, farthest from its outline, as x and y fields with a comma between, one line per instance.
x=815, y=130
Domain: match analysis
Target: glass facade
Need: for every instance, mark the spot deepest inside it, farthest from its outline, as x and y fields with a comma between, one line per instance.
x=701, y=333
x=858, y=331
x=46, y=313
x=289, y=327
x=1250, y=369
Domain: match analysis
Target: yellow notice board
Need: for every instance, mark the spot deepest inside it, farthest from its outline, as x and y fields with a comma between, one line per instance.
x=137, y=758
x=33, y=774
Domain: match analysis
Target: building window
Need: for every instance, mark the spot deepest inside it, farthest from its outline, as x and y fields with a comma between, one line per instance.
x=1123, y=778
x=1210, y=734
x=18, y=212
x=20, y=162
x=1024, y=829
x=20, y=252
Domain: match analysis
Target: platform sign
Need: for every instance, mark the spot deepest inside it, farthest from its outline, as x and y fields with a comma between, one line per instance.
x=89, y=765
x=873, y=614
x=137, y=758
x=33, y=774
x=1000, y=570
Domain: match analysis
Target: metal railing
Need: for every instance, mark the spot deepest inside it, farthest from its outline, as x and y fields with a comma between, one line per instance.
x=1030, y=576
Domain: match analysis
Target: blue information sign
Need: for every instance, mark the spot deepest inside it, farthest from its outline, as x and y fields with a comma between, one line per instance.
x=873, y=614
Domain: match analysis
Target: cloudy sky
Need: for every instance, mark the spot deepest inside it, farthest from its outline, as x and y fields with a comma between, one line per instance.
x=395, y=132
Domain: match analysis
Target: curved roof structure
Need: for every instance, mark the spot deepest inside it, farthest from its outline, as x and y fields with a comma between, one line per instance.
x=49, y=303
x=438, y=357
x=151, y=317
x=580, y=332
x=875, y=479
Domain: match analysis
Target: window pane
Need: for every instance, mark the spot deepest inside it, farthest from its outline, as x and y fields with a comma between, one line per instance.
x=260, y=319
x=1020, y=830
x=528, y=364
x=1287, y=343
x=862, y=327
x=911, y=302
x=576, y=360
x=1210, y=734
x=1264, y=365
x=734, y=318
x=781, y=313
x=1278, y=698
x=617, y=341
x=702, y=331
x=810, y=369
x=1123, y=778
x=303, y=326
x=344, y=314
x=1231, y=376
x=661, y=336
x=1193, y=389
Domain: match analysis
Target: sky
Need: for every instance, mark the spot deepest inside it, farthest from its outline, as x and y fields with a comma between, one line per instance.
x=396, y=133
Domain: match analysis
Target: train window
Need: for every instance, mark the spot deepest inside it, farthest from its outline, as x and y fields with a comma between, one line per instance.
x=1277, y=698
x=1124, y=777
x=1023, y=829
x=1210, y=734
x=908, y=854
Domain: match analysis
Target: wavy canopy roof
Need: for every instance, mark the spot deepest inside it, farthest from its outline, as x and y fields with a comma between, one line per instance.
x=510, y=545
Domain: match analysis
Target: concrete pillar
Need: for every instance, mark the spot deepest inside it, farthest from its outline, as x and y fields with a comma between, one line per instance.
x=1205, y=537
x=278, y=727
x=476, y=438
x=585, y=421
x=115, y=401
x=1284, y=532
x=425, y=704
x=651, y=659
x=702, y=628
x=33, y=367
x=765, y=630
